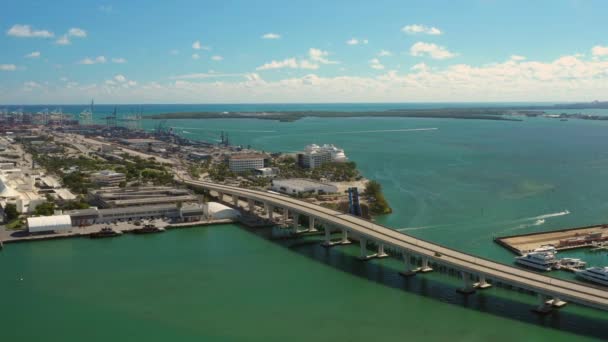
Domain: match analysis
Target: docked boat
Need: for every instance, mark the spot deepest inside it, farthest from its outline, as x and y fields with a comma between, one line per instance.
x=546, y=249
x=148, y=228
x=598, y=275
x=542, y=261
x=571, y=263
x=104, y=232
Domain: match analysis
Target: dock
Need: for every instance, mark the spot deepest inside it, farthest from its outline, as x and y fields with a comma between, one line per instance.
x=563, y=239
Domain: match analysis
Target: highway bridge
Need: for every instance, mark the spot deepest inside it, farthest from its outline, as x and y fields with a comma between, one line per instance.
x=418, y=255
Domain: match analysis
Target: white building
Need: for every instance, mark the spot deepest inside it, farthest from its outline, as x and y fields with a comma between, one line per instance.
x=246, y=162
x=314, y=155
x=57, y=223
x=298, y=186
x=108, y=178
x=218, y=211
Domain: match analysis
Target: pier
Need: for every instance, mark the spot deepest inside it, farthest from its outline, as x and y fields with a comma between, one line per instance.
x=419, y=256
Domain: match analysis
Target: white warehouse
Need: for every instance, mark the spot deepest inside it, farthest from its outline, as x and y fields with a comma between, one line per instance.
x=56, y=223
x=218, y=211
x=298, y=186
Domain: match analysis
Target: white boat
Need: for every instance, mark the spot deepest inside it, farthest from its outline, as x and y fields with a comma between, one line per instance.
x=572, y=263
x=598, y=275
x=543, y=261
x=546, y=249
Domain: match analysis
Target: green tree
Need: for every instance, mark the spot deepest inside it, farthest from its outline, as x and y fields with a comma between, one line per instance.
x=11, y=212
x=45, y=209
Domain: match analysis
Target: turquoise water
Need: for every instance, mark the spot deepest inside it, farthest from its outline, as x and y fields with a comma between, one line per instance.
x=460, y=185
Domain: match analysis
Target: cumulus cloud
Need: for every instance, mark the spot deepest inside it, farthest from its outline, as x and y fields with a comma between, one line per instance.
x=198, y=46
x=120, y=78
x=286, y=63
x=35, y=54
x=518, y=58
x=119, y=60
x=384, y=53
x=356, y=41
x=31, y=85
x=271, y=36
x=320, y=56
x=204, y=75
x=599, y=51
x=416, y=28
x=374, y=63
x=195, y=56
x=77, y=32
x=96, y=60
x=8, y=67
x=26, y=31
x=432, y=50
x=217, y=58
x=63, y=40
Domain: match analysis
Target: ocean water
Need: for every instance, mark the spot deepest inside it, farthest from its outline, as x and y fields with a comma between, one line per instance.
x=456, y=182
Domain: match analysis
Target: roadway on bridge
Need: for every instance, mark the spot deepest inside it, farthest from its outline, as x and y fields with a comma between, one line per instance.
x=566, y=290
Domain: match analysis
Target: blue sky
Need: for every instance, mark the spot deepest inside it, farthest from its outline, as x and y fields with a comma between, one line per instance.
x=302, y=51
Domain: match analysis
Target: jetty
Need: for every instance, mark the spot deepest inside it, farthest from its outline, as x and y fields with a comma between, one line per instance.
x=563, y=239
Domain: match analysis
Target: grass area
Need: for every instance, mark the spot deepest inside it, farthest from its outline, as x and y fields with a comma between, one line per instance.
x=14, y=224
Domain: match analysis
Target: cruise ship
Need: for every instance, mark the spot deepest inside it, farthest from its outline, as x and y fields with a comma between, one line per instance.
x=543, y=261
x=598, y=275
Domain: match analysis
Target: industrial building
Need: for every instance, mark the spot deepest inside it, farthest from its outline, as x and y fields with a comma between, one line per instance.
x=247, y=162
x=56, y=223
x=298, y=186
x=314, y=155
x=115, y=197
x=189, y=212
x=108, y=178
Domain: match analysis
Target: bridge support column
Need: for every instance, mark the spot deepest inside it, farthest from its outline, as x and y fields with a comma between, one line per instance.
x=311, y=224
x=250, y=205
x=327, y=242
x=381, y=253
x=270, y=212
x=409, y=269
x=345, y=240
x=285, y=216
x=468, y=287
x=425, y=267
x=556, y=302
x=220, y=196
x=544, y=307
x=482, y=283
x=296, y=222
x=363, y=256
x=235, y=200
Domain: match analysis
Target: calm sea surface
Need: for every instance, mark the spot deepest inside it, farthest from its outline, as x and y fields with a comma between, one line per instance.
x=460, y=185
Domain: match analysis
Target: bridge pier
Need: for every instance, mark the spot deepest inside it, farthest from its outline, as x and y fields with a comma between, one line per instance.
x=345, y=240
x=311, y=224
x=468, y=287
x=425, y=267
x=235, y=200
x=296, y=222
x=285, y=216
x=409, y=269
x=328, y=243
x=270, y=210
x=543, y=307
x=556, y=302
x=381, y=253
x=363, y=256
x=482, y=283
x=250, y=205
x=220, y=196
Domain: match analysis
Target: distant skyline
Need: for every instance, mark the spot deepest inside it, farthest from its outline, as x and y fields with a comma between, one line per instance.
x=68, y=52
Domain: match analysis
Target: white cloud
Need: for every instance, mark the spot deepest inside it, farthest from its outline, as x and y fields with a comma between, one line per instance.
x=271, y=36
x=63, y=79
x=320, y=56
x=96, y=60
x=374, y=63
x=26, y=31
x=195, y=56
x=217, y=58
x=356, y=41
x=420, y=67
x=8, y=67
x=286, y=63
x=432, y=50
x=204, y=76
x=599, y=50
x=306, y=64
x=63, y=40
x=415, y=28
x=120, y=78
x=518, y=58
x=35, y=54
x=77, y=32
x=198, y=46
x=30, y=85
x=384, y=53
x=119, y=60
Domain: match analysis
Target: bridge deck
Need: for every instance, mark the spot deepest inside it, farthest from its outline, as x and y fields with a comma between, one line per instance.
x=567, y=290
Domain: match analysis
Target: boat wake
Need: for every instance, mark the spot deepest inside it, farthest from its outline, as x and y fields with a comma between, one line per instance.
x=386, y=130
x=561, y=213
